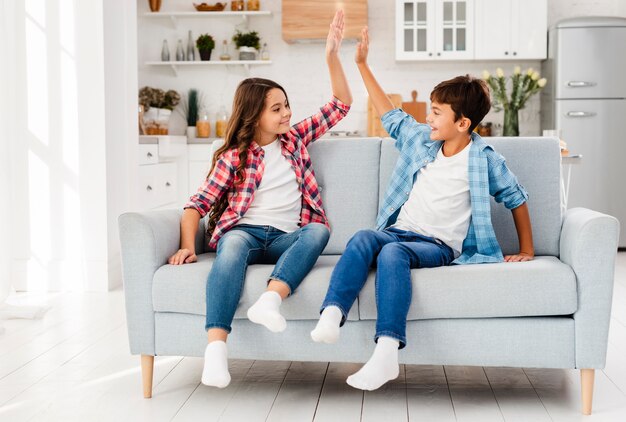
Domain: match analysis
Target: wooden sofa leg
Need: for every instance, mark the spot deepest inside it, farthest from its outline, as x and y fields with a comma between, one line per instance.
x=147, y=368
x=586, y=383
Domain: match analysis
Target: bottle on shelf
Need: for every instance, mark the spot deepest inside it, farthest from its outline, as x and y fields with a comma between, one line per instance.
x=165, y=52
x=225, y=55
x=203, y=126
x=191, y=54
x=180, y=52
x=221, y=120
x=265, y=53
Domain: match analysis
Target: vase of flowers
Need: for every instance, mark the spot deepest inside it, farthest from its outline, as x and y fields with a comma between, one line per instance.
x=157, y=105
x=522, y=85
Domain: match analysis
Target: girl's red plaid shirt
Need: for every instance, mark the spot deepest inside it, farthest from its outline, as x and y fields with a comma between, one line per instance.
x=293, y=147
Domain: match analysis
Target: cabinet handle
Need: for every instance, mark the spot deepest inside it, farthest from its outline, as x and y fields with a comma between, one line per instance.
x=148, y=188
x=580, y=114
x=506, y=53
x=439, y=54
x=580, y=84
x=430, y=54
x=515, y=53
x=149, y=155
x=168, y=184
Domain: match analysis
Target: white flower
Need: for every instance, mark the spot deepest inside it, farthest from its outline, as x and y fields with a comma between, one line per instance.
x=486, y=75
x=542, y=82
x=517, y=70
x=499, y=72
x=530, y=71
x=534, y=76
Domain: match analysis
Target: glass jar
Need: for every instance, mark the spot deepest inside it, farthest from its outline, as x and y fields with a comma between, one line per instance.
x=221, y=121
x=254, y=5
x=203, y=126
x=236, y=5
x=225, y=54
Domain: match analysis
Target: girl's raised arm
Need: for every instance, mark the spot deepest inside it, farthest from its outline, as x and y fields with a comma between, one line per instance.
x=338, y=80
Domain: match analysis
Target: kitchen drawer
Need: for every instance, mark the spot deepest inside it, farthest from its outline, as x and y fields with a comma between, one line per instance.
x=157, y=185
x=148, y=154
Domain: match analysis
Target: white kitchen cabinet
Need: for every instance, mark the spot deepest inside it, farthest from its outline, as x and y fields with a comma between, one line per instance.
x=200, y=159
x=511, y=29
x=434, y=29
x=162, y=172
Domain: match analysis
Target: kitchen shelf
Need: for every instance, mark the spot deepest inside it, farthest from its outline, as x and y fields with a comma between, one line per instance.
x=245, y=63
x=174, y=16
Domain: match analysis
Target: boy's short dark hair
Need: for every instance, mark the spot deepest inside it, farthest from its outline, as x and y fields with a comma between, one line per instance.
x=468, y=97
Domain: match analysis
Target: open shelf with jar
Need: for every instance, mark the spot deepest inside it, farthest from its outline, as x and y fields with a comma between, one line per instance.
x=176, y=64
x=174, y=16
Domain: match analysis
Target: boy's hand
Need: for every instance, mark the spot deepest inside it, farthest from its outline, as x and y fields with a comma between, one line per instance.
x=183, y=256
x=362, y=47
x=335, y=34
x=520, y=257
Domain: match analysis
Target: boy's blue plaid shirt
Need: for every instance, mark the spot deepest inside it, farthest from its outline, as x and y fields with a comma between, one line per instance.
x=487, y=172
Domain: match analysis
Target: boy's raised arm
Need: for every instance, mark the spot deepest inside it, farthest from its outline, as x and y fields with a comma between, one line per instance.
x=376, y=93
x=338, y=80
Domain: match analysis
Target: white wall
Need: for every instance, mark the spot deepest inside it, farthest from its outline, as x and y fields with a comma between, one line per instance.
x=562, y=9
x=5, y=191
x=58, y=210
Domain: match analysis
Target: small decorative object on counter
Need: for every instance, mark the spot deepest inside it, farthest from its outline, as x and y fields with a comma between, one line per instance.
x=221, y=120
x=225, y=55
x=265, y=53
x=237, y=5
x=248, y=43
x=254, y=5
x=155, y=5
x=523, y=86
x=189, y=109
x=191, y=53
x=205, y=44
x=165, y=52
x=203, y=126
x=180, y=52
x=484, y=129
x=203, y=7
x=158, y=106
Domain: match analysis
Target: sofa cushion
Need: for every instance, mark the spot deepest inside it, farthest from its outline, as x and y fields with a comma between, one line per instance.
x=182, y=288
x=347, y=173
x=542, y=287
x=537, y=156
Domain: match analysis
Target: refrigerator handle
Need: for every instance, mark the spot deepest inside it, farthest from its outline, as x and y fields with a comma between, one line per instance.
x=580, y=114
x=580, y=84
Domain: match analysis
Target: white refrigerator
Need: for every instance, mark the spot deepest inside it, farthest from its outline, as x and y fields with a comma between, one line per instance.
x=586, y=100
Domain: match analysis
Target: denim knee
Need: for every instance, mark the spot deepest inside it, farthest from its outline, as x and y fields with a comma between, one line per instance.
x=316, y=231
x=391, y=251
x=361, y=237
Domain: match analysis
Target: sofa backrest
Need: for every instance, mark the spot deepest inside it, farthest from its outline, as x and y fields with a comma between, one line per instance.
x=536, y=163
x=347, y=173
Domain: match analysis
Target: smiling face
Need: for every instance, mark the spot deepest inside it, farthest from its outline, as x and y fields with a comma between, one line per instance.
x=442, y=123
x=275, y=117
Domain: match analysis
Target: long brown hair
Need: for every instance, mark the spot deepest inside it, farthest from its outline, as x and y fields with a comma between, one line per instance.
x=248, y=105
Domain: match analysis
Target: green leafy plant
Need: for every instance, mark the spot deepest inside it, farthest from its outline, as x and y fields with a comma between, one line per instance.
x=247, y=39
x=205, y=42
x=191, y=106
x=155, y=97
x=523, y=86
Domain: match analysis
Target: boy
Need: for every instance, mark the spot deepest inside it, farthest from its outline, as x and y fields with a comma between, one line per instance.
x=435, y=212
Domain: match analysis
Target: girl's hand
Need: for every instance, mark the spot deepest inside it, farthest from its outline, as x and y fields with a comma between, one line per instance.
x=183, y=256
x=362, y=47
x=335, y=34
x=520, y=257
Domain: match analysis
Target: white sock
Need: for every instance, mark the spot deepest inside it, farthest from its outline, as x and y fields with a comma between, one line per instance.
x=382, y=366
x=327, y=328
x=215, y=372
x=265, y=311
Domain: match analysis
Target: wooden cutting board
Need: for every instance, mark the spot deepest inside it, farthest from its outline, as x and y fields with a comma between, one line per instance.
x=415, y=108
x=374, y=125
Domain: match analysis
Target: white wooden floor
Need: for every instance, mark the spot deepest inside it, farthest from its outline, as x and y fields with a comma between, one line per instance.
x=74, y=365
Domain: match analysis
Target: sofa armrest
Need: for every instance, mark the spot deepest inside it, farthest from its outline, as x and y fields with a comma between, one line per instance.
x=589, y=245
x=147, y=240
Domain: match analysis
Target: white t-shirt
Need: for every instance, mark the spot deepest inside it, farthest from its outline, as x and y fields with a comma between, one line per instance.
x=439, y=204
x=277, y=201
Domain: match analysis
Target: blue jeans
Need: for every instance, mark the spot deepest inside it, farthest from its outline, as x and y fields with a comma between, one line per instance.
x=394, y=252
x=293, y=253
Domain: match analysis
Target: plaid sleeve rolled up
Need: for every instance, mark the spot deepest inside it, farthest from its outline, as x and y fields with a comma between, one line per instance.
x=318, y=124
x=215, y=185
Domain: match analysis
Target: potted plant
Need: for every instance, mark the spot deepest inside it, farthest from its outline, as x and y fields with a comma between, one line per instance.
x=158, y=106
x=247, y=43
x=205, y=44
x=189, y=109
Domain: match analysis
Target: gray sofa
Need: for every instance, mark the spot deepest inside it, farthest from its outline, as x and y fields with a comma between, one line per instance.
x=552, y=312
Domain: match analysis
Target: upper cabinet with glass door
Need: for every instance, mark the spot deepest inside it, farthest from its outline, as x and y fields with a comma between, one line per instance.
x=434, y=29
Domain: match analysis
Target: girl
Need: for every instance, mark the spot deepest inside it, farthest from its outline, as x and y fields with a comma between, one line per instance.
x=263, y=203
